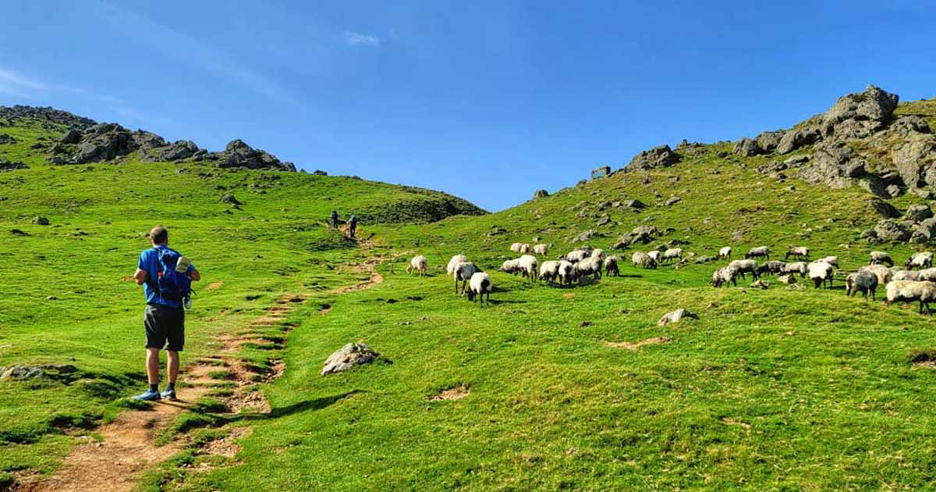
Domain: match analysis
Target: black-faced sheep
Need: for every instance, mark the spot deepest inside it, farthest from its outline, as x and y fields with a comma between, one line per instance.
x=417, y=264
x=905, y=275
x=655, y=255
x=566, y=272
x=798, y=253
x=478, y=285
x=549, y=270
x=881, y=258
x=450, y=269
x=525, y=248
x=909, y=291
x=744, y=267
x=515, y=247
x=588, y=266
x=883, y=274
x=919, y=260
x=758, y=252
x=611, y=266
x=724, y=253
x=462, y=273
x=820, y=272
x=641, y=259
x=864, y=282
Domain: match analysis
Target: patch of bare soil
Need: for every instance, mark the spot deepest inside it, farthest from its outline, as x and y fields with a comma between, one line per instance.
x=226, y=446
x=732, y=421
x=453, y=393
x=213, y=286
x=637, y=345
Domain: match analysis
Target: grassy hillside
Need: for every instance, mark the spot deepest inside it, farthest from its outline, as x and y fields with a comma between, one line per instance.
x=571, y=388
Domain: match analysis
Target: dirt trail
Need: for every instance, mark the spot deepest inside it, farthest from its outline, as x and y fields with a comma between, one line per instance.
x=127, y=446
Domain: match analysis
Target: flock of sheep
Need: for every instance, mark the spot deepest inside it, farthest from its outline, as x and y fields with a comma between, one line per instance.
x=901, y=285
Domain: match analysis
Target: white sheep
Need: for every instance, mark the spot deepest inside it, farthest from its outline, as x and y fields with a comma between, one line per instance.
x=758, y=252
x=724, y=276
x=881, y=258
x=744, y=267
x=512, y=267
x=611, y=266
x=463, y=272
x=926, y=275
x=588, y=266
x=655, y=255
x=478, y=285
x=599, y=253
x=577, y=255
x=641, y=259
x=450, y=269
x=528, y=265
x=566, y=272
x=515, y=247
x=832, y=260
x=771, y=267
x=417, y=264
x=909, y=291
x=795, y=267
x=549, y=270
x=865, y=282
x=673, y=254
x=905, y=275
x=525, y=248
x=724, y=253
x=920, y=260
x=797, y=252
x=820, y=272
x=883, y=274
x=541, y=249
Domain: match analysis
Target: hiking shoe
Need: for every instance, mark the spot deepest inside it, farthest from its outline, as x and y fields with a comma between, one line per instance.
x=168, y=394
x=150, y=395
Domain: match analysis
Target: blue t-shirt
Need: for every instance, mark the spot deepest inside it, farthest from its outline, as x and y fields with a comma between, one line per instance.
x=149, y=263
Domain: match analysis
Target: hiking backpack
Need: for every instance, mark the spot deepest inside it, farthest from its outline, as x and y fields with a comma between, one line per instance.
x=170, y=284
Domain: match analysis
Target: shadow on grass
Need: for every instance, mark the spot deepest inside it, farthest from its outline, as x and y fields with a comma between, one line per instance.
x=299, y=407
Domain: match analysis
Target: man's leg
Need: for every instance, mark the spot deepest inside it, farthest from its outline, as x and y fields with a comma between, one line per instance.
x=155, y=339
x=176, y=338
x=172, y=366
x=152, y=365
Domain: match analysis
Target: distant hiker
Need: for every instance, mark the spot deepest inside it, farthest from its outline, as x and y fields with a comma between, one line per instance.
x=352, y=225
x=166, y=278
x=334, y=218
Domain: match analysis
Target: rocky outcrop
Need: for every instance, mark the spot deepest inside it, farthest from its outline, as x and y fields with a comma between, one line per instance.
x=892, y=230
x=6, y=165
x=6, y=139
x=345, y=358
x=601, y=172
x=45, y=115
x=239, y=154
x=746, y=148
x=656, y=157
x=768, y=141
x=540, y=194
x=176, y=151
x=639, y=235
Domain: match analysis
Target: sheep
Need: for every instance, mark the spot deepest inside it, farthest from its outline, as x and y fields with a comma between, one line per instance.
x=541, y=249
x=795, y=267
x=883, y=274
x=450, y=269
x=797, y=252
x=909, y=291
x=745, y=266
x=927, y=275
x=905, y=275
x=920, y=260
x=598, y=253
x=549, y=270
x=515, y=247
x=758, y=252
x=641, y=259
x=525, y=248
x=417, y=264
x=462, y=273
x=478, y=285
x=724, y=276
x=528, y=264
x=832, y=260
x=566, y=272
x=866, y=282
x=611, y=266
x=772, y=267
x=511, y=266
x=577, y=255
x=881, y=258
x=588, y=266
x=820, y=272
x=724, y=253
x=654, y=255
x=671, y=255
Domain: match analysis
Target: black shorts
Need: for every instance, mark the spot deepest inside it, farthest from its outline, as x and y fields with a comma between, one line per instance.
x=165, y=327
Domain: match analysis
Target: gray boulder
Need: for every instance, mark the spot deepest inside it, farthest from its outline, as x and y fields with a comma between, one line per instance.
x=176, y=151
x=584, y=236
x=768, y=141
x=673, y=200
x=892, y=230
x=345, y=358
x=22, y=372
x=918, y=212
x=601, y=172
x=676, y=316
x=6, y=165
x=656, y=157
x=239, y=154
x=540, y=194
x=71, y=137
x=796, y=139
x=884, y=209
x=635, y=204
x=746, y=148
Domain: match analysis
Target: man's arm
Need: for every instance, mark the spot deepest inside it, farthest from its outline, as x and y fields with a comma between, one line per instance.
x=140, y=276
x=194, y=275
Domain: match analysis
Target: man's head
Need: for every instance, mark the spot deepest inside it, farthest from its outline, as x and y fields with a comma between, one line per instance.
x=159, y=235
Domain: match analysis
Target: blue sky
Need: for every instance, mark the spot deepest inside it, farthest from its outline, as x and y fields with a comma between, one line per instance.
x=486, y=100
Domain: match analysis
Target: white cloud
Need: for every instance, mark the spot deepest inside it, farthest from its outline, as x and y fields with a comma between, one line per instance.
x=358, y=39
x=16, y=84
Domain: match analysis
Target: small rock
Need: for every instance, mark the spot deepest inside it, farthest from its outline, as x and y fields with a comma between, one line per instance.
x=540, y=194
x=229, y=198
x=18, y=232
x=918, y=212
x=40, y=220
x=786, y=279
x=584, y=324
x=51, y=298
x=672, y=201
x=675, y=317
x=347, y=357
x=760, y=284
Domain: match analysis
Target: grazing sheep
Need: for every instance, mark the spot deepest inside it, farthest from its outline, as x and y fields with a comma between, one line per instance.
x=671, y=255
x=463, y=272
x=795, y=267
x=549, y=270
x=724, y=276
x=724, y=253
x=866, y=282
x=832, y=260
x=920, y=260
x=797, y=252
x=515, y=247
x=744, y=267
x=654, y=255
x=641, y=259
x=926, y=275
x=598, y=253
x=758, y=252
x=525, y=248
x=588, y=266
x=881, y=258
x=905, y=275
x=883, y=274
x=541, y=249
x=820, y=272
x=611, y=266
x=528, y=265
x=772, y=267
x=450, y=269
x=909, y=291
x=417, y=264
x=511, y=266
x=478, y=285
x=566, y=272
x=577, y=255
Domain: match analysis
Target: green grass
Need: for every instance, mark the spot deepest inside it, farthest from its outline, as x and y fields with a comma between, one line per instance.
x=773, y=389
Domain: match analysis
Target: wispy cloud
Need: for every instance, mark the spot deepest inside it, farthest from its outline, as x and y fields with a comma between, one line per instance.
x=15, y=84
x=359, y=39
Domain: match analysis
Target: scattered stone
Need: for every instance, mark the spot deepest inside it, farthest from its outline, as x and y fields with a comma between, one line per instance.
x=347, y=357
x=675, y=317
x=768, y=141
x=656, y=157
x=918, y=212
x=634, y=204
x=18, y=232
x=746, y=148
x=43, y=371
x=672, y=201
x=38, y=220
x=229, y=198
x=892, y=230
x=319, y=172
x=540, y=194
x=760, y=284
x=601, y=172
x=883, y=208
x=584, y=236
x=6, y=165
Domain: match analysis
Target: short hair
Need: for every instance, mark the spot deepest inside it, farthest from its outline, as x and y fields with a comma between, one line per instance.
x=159, y=235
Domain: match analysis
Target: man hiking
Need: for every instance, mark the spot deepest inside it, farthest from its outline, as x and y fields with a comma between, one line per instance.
x=166, y=277
x=352, y=225
x=334, y=219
